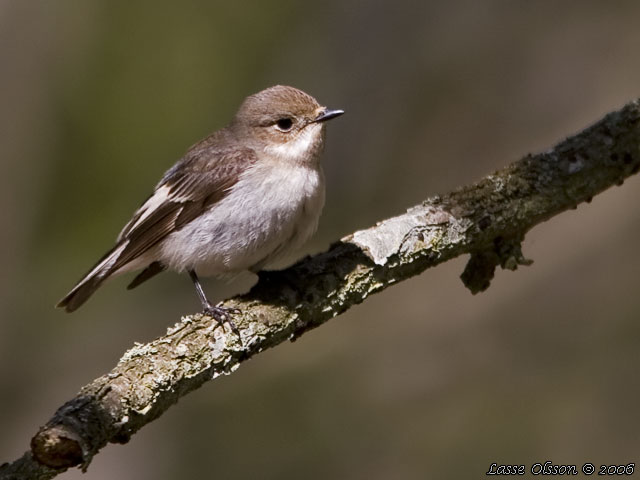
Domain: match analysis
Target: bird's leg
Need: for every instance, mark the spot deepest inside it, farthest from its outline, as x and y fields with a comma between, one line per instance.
x=220, y=314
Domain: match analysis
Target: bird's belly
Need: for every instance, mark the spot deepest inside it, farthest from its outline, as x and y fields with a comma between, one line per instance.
x=250, y=227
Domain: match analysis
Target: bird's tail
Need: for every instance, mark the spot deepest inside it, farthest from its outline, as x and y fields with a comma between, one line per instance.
x=93, y=279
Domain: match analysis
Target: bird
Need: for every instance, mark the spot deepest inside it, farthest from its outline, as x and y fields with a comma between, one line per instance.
x=237, y=200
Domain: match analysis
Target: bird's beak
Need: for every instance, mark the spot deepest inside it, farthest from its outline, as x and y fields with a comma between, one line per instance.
x=327, y=114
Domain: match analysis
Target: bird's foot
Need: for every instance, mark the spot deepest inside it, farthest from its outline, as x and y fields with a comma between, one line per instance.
x=223, y=315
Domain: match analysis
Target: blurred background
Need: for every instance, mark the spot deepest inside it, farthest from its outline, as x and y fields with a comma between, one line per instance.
x=424, y=380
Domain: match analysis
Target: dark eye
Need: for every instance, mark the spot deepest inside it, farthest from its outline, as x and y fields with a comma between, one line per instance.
x=284, y=124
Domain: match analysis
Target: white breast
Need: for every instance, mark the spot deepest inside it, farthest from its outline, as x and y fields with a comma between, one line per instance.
x=274, y=207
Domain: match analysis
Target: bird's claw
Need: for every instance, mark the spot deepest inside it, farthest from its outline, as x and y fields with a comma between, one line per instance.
x=223, y=315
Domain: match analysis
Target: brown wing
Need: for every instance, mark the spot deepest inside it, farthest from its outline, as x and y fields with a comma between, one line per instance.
x=202, y=178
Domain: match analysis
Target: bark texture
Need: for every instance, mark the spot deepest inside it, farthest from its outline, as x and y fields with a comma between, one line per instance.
x=487, y=220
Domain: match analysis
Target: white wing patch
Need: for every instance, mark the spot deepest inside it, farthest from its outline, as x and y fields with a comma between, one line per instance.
x=104, y=266
x=159, y=198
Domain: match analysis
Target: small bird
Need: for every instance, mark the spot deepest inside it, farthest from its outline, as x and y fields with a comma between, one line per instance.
x=236, y=201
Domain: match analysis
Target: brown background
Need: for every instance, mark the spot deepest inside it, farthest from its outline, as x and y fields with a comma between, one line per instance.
x=422, y=381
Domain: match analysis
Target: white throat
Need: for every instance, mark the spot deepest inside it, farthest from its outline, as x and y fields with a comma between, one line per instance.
x=301, y=147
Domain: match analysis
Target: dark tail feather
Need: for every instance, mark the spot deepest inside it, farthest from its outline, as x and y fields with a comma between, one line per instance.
x=152, y=270
x=80, y=294
x=92, y=280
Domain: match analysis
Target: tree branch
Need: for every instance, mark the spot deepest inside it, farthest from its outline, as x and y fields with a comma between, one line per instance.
x=488, y=220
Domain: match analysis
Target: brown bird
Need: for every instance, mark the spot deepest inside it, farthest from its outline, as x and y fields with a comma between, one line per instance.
x=235, y=201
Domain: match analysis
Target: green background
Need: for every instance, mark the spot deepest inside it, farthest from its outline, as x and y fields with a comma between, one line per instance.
x=425, y=380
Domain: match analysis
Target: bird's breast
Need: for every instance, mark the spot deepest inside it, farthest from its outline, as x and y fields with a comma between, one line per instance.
x=273, y=208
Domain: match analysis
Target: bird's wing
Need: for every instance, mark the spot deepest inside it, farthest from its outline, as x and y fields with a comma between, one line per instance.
x=202, y=178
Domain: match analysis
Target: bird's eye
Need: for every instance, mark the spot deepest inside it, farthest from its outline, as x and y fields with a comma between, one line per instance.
x=284, y=124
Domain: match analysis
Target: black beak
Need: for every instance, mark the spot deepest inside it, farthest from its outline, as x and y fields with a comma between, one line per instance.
x=328, y=114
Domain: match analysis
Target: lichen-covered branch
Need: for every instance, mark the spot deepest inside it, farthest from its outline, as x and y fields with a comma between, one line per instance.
x=488, y=220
